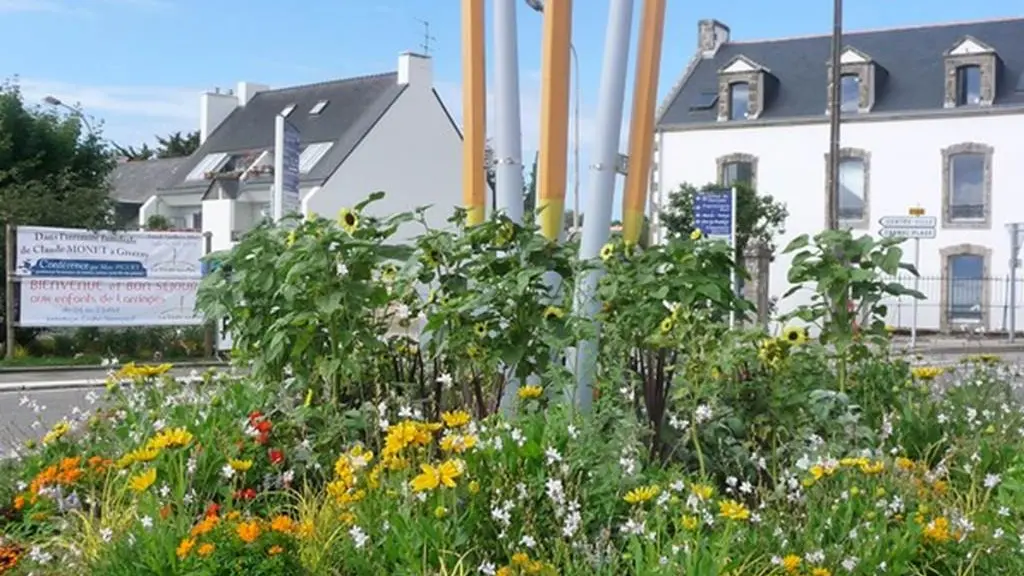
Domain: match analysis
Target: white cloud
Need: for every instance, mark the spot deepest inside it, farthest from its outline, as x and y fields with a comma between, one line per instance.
x=78, y=7
x=130, y=114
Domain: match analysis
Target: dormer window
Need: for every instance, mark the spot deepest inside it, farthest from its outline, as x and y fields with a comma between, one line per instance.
x=739, y=100
x=741, y=89
x=318, y=108
x=287, y=110
x=857, y=72
x=968, y=85
x=971, y=68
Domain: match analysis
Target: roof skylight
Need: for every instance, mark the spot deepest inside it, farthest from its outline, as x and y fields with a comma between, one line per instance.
x=287, y=110
x=318, y=107
x=312, y=154
x=209, y=163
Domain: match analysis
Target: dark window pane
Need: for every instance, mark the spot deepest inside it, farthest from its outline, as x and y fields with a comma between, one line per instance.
x=968, y=82
x=849, y=93
x=966, y=282
x=739, y=97
x=738, y=172
x=967, y=186
x=851, y=189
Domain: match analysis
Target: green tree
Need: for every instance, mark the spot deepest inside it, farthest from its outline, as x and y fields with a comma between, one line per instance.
x=760, y=217
x=53, y=172
x=132, y=153
x=530, y=188
x=176, y=145
x=53, y=169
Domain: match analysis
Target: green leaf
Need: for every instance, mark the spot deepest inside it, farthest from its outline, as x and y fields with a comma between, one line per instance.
x=797, y=243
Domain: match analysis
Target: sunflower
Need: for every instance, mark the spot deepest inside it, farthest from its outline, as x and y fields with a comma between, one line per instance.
x=667, y=325
x=348, y=220
x=607, y=251
x=795, y=334
x=480, y=329
x=553, y=313
x=142, y=482
x=696, y=234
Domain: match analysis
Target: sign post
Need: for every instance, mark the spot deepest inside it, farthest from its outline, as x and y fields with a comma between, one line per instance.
x=9, y=310
x=714, y=214
x=287, y=150
x=1015, y=231
x=915, y=226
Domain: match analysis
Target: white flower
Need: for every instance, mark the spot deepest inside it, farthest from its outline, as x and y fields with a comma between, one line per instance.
x=528, y=541
x=487, y=568
x=849, y=564
x=552, y=455
x=358, y=537
x=703, y=414
x=1004, y=511
x=159, y=425
x=146, y=522
x=165, y=491
x=574, y=433
x=342, y=269
x=746, y=487
x=445, y=380
x=106, y=534
x=518, y=437
x=227, y=472
x=991, y=481
x=633, y=527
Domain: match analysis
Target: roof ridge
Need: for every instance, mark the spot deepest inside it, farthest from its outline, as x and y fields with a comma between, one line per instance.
x=326, y=82
x=885, y=29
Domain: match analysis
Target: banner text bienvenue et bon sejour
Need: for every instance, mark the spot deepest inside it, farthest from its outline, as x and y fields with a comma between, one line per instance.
x=82, y=278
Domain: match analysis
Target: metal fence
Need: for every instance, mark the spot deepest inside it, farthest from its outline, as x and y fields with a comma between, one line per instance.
x=981, y=305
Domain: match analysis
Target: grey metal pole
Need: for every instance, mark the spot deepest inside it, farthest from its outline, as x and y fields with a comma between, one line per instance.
x=834, y=114
x=1014, y=254
x=575, y=141
x=508, y=147
x=917, y=288
x=611, y=97
x=9, y=311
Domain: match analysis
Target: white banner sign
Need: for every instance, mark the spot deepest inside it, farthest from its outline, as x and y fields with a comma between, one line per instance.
x=53, y=302
x=71, y=253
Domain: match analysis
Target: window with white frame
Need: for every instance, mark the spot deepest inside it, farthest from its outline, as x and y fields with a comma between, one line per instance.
x=967, y=186
x=852, y=189
x=849, y=92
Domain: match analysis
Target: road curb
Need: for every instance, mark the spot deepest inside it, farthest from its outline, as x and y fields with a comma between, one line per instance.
x=965, y=350
x=95, y=368
x=69, y=385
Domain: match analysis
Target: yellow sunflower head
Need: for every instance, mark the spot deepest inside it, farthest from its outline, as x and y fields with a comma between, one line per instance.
x=348, y=220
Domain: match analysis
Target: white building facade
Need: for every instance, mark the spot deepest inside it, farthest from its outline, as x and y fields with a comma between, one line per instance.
x=932, y=118
x=387, y=132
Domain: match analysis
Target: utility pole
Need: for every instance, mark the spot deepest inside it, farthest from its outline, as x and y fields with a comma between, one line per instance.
x=508, y=146
x=834, y=111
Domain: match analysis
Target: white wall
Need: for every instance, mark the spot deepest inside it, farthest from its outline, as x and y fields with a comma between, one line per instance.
x=905, y=170
x=413, y=154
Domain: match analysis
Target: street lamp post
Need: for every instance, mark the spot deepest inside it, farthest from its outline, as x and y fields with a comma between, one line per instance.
x=54, y=101
x=538, y=6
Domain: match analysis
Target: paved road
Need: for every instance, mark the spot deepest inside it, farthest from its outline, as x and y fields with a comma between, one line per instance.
x=32, y=402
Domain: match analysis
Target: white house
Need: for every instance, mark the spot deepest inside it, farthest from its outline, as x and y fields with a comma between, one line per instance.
x=932, y=118
x=387, y=132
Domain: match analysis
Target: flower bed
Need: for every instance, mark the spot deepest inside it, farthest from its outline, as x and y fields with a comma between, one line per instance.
x=706, y=451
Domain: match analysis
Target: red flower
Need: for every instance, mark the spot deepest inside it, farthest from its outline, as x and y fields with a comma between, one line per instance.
x=263, y=438
x=213, y=509
x=247, y=494
x=255, y=415
x=264, y=426
x=276, y=456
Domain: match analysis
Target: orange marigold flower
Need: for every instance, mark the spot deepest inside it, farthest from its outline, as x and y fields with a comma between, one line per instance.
x=249, y=531
x=282, y=523
x=205, y=549
x=185, y=547
x=275, y=550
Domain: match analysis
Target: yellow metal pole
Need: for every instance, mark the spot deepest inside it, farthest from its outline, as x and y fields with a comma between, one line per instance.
x=641, y=130
x=474, y=112
x=554, y=116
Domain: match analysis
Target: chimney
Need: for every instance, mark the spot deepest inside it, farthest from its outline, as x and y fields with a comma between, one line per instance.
x=246, y=90
x=214, y=107
x=711, y=34
x=415, y=69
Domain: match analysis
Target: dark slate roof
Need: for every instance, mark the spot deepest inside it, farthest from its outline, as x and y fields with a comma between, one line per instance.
x=912, y=58
x=134, y=182
x=355, y=106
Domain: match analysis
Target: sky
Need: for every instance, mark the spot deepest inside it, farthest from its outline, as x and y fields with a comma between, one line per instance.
x=138, y=66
